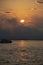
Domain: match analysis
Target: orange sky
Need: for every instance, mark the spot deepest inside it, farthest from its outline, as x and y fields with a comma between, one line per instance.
x=29, y=10
x=21, y=8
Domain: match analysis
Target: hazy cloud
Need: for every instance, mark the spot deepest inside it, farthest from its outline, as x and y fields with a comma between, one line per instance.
x=37, y=22
x=8, y=23
x=32, y=31
x=13, y=23
x=40, y=1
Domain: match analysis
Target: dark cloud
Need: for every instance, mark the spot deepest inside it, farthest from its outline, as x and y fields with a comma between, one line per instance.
x=7, y=12
x=8, y=23
x=37, y=21
x=40, y=1
x=21, y=31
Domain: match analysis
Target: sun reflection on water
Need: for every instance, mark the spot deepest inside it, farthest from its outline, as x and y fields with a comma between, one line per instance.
x=22, y=43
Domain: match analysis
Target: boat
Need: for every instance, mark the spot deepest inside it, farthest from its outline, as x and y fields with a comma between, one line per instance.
x=5, y=41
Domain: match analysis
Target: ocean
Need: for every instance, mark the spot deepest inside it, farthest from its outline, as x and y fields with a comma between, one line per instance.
x=22, y=52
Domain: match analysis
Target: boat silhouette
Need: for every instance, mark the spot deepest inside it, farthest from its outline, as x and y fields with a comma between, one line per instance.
x=5, y=41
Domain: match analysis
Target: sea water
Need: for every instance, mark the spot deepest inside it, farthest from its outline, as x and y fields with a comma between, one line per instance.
x=22, y=52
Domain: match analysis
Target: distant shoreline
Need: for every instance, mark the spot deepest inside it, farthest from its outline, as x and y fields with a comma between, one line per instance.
x=22, y=39
x=29, y=39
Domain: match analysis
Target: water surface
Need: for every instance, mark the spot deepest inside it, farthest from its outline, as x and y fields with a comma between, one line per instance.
x=22, y=53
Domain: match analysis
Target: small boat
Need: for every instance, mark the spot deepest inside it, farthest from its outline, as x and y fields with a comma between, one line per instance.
x=5, y=41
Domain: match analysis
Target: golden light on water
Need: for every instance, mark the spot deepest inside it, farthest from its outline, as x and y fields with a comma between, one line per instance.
x=22, y=44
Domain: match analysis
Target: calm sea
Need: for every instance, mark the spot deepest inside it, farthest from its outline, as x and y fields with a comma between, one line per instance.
x=22, y=53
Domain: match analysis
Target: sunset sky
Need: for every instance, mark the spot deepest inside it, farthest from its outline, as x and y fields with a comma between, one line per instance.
x=21, y=8
x=12, y=11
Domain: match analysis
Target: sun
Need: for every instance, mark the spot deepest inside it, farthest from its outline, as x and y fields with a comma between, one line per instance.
x=22, y=20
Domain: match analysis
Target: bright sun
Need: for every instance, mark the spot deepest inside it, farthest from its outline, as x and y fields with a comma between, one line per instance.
x=22, y=20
